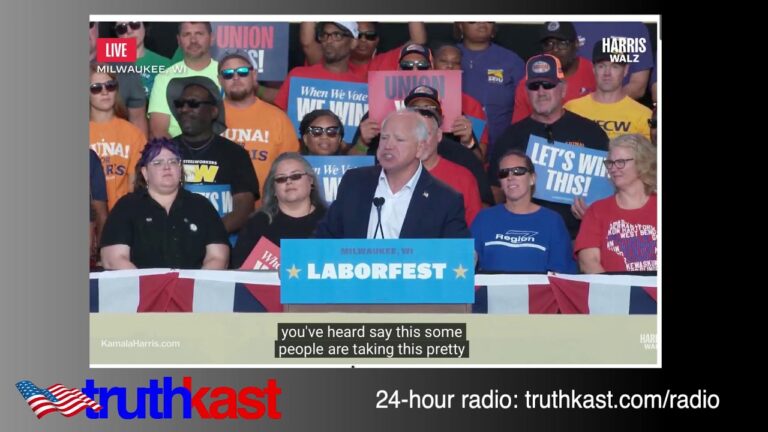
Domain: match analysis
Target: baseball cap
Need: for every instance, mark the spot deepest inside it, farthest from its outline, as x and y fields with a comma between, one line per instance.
x=544, y=67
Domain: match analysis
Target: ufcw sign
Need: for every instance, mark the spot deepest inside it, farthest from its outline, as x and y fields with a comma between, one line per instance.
x=377, y=271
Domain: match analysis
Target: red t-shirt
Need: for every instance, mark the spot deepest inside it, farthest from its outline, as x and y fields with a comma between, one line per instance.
x=626, y=238
x=579, y=84
x=461, y=180
x=317, y=71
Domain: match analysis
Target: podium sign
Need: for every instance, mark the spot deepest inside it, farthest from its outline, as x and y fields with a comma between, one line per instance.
x=363, y=271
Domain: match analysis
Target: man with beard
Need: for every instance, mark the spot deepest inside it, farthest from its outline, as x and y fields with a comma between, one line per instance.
x=546, y=89
x=337, y=40
x=261, y=128
x=195, y=40
x=214, y=166
x=559, y=39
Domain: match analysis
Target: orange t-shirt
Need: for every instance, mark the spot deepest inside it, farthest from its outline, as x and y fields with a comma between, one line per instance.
x=119, y=144
x=264, y=131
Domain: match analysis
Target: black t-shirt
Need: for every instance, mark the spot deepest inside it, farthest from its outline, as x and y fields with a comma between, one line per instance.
x=570, y=128
x=282, y=226
x=157, y=239
x=220, y=162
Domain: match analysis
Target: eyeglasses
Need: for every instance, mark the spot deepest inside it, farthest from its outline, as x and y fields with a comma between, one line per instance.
x=515, y=171
x=317, y=131
x=409, y=65
x=652, y=123
x=549, y=45
x=110, y=86
x=292, y=177
x=368, y=35
x=122, y=28
x=242, y=72
x=192, y=103
x=535, y=86
x=173, y=162
x=334, y=36
x=619, y=163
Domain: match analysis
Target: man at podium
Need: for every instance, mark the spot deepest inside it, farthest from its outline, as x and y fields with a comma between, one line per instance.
x=398, y=198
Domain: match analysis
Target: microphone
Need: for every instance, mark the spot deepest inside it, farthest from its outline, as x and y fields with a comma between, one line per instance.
x=378, y=202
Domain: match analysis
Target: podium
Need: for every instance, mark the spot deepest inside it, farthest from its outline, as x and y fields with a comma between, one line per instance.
x=377, y=276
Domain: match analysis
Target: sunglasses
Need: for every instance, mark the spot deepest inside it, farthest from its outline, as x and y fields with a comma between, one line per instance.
x=515, y=171
x=551, y=44
x=409, y=65
x=192, y=103
x=430, y=112
x=110, y=86
x=368, y=35
x=122, y=28
x=292, y=177
x=242, y=72
x=535, y=86
x=91, y=24
x=334, y=36
x=317, y=131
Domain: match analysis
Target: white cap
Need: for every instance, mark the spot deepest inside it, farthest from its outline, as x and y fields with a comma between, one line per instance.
x=348, y=25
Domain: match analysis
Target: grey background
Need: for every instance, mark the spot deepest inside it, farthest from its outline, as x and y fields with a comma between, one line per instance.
x=44, y=317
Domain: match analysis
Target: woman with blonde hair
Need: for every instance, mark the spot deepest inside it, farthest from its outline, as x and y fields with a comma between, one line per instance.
x=618, y=233
x=291, y=207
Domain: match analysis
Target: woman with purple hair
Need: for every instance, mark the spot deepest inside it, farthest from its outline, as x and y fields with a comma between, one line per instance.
x=161, y=224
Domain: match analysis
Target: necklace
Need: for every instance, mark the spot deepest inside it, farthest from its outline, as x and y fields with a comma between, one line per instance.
x=198, y=149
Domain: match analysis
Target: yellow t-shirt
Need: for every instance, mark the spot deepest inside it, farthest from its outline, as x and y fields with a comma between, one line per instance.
x=158, y=101
x=264, y=131
x=623, y=117
x=119, y=144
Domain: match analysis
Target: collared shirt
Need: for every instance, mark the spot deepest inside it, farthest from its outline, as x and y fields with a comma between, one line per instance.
x=395, y=206
x=175, y=239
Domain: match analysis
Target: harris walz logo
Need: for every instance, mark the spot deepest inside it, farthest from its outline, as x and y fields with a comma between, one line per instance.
x=56, y=398
x=624, y=49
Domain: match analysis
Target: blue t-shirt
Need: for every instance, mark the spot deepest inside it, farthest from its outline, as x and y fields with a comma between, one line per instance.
x=590, y=33
x=536, y=243
x=491, y=77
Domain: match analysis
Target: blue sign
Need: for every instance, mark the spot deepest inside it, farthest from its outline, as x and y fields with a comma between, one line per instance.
x=564, y=171
x=265, y=42
x=478, y=127
x=348, y=100
x=330, y=169
x=220, y=197
x=362, y=271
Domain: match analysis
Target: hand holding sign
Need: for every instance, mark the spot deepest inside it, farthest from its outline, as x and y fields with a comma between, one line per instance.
x=369, y=129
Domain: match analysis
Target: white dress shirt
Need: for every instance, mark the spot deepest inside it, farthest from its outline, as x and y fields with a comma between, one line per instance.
x=395, y=206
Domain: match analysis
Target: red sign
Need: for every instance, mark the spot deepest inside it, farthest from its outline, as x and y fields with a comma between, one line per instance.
x=388, y=89
x=110, y=50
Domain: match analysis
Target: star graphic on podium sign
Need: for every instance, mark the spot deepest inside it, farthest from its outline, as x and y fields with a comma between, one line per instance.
x=461, y=272
x=293, y=272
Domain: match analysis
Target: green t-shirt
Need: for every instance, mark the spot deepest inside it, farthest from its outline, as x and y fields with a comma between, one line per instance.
x=158, y=101
x=159, y=62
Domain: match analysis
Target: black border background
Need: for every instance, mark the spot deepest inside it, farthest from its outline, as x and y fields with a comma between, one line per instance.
x=44, y=317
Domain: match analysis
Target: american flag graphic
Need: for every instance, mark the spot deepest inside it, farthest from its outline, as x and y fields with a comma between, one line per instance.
x=67, y=401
